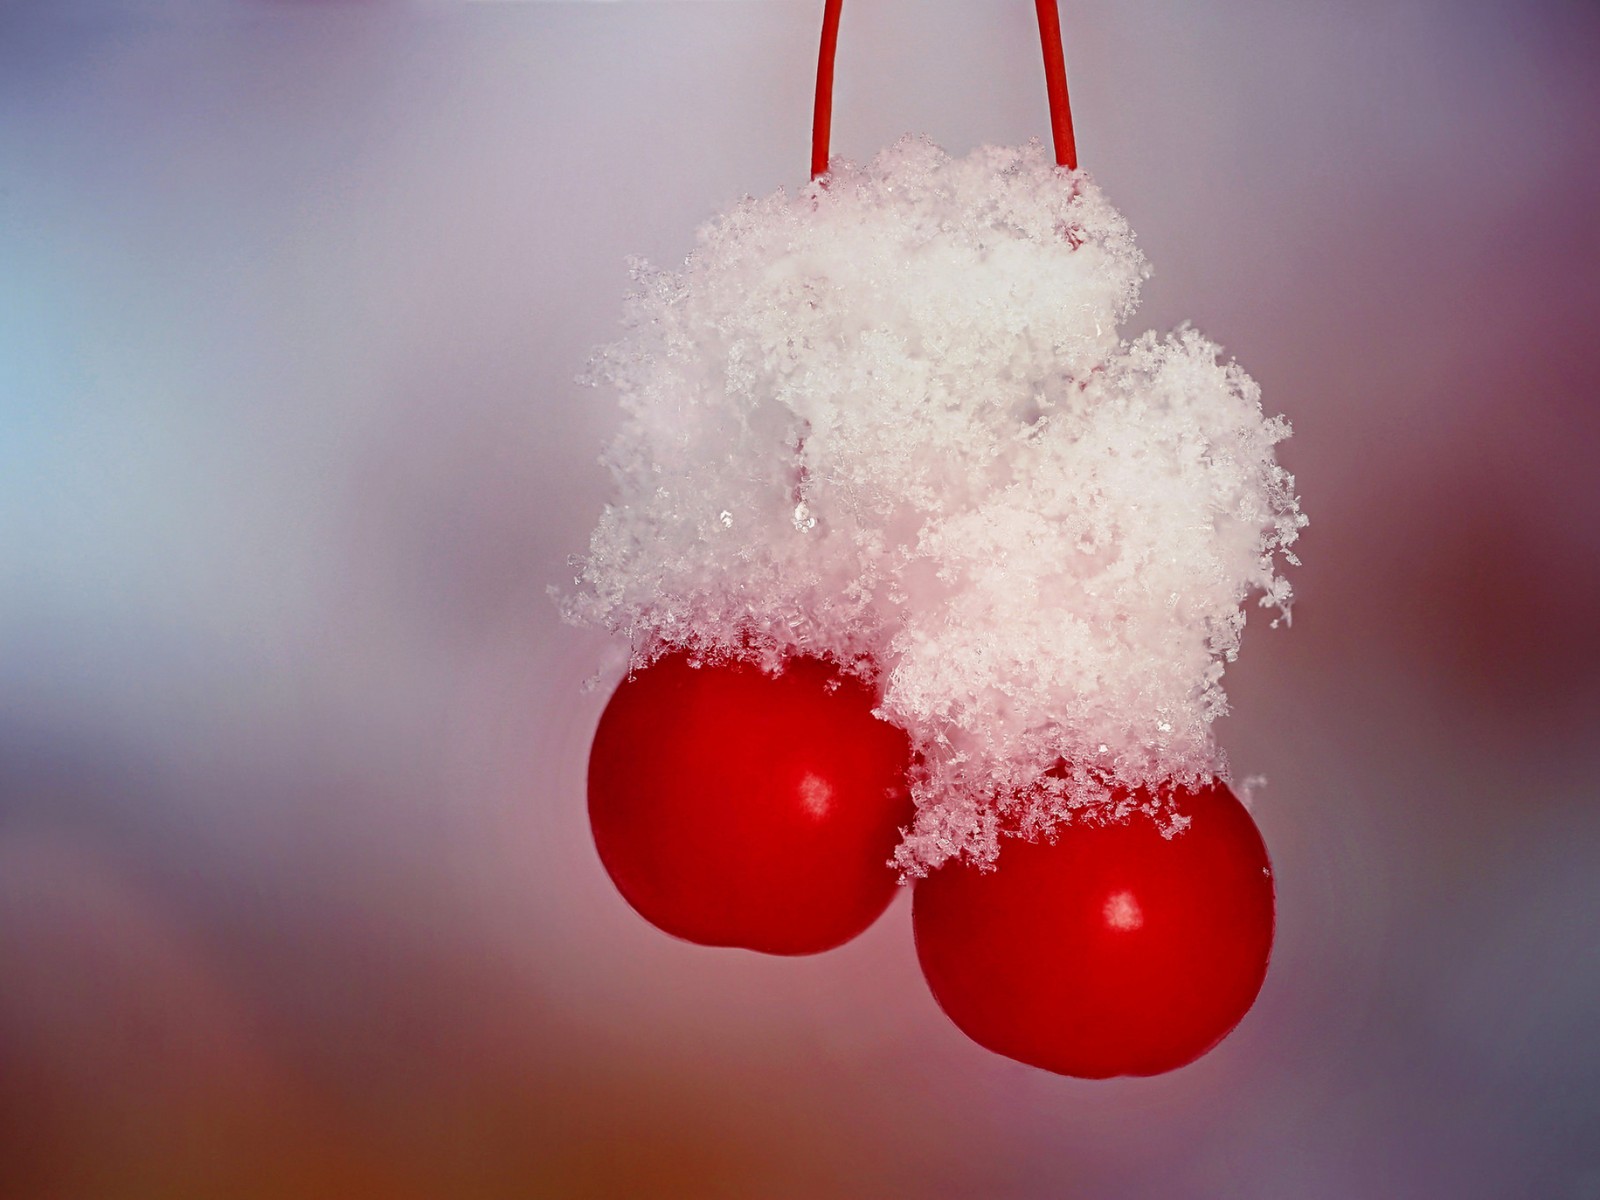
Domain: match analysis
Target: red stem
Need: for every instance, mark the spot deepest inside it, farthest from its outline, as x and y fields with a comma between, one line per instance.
x=1055, y=81
x=822, y=114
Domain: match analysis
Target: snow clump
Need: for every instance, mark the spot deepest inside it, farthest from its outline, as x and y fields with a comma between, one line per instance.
x=889, y=420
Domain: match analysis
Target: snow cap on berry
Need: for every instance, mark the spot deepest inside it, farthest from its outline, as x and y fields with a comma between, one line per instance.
x=889, y=420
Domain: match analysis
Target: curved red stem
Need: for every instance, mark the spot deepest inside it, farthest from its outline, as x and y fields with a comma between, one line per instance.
x=1055, y=82
x=822, y=114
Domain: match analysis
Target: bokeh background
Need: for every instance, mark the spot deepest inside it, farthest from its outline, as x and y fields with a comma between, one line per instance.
x=296, y=892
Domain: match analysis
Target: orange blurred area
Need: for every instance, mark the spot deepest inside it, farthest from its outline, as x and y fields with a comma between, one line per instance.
x=139, y=1059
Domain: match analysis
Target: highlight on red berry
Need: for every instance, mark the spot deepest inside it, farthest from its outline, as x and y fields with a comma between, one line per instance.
x=1111, y=950
x=735, y=808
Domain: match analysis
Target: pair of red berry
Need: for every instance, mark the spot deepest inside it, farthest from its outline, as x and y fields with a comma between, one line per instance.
x=734, y=808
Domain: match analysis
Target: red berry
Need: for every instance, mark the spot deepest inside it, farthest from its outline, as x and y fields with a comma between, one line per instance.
x=1111, y=951
x=735, y=808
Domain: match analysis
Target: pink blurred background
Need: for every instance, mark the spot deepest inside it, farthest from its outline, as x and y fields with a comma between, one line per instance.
x=297, y=897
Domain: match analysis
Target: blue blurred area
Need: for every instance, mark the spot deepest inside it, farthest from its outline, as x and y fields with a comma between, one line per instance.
x=296, y=892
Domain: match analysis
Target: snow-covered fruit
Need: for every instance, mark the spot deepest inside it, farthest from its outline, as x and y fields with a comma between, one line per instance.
x=894, y=419
x=733, y=807
x=1107, y=948
x=891, y=423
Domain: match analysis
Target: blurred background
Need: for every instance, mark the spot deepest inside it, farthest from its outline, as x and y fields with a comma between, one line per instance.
x=297, y=897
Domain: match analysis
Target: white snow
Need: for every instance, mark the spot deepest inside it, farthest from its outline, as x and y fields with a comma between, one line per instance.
x=891, y=421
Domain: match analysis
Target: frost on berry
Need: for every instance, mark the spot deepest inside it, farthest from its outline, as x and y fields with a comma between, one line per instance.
x=891, y=421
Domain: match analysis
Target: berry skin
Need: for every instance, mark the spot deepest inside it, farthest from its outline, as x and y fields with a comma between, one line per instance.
x=734, y=808
x=1112, y=950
